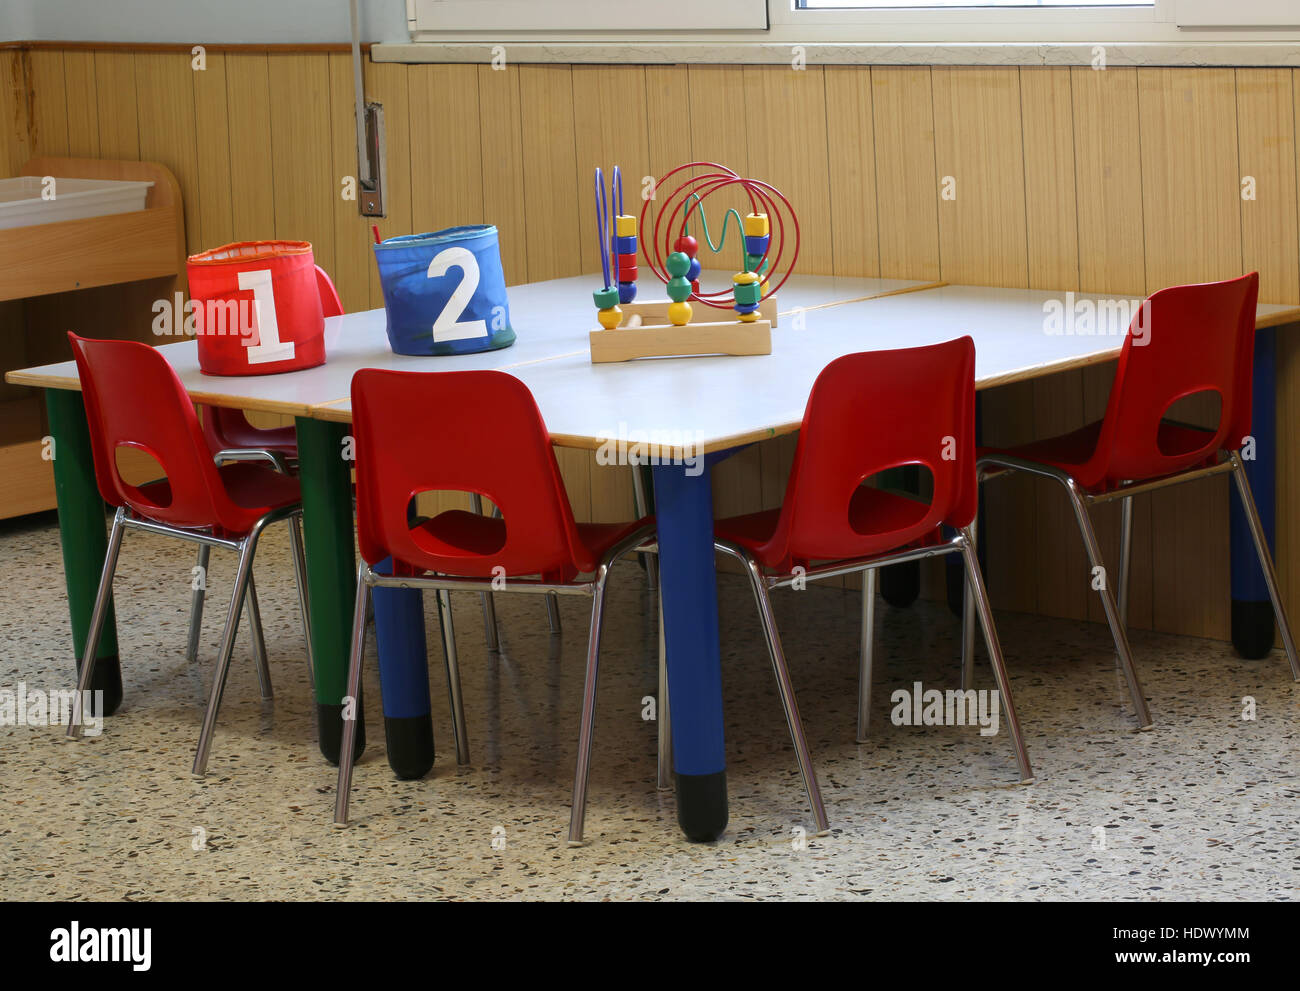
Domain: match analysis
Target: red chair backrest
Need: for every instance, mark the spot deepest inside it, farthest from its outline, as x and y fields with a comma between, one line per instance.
x=472, y=431
x=1199, y=338
x=134, y=399
x=873, y=411
x=229, y=427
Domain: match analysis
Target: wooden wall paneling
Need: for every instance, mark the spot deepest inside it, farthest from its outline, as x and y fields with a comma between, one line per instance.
x=115, y=91
x=387, y=84
x=168, y=128
x=352, y=236
x=49, y=103
x=979, y=143
x=15, y=122
x=551, y=184
x=1267, y=152
x=446, y=155
x=15, y=131
x=549, y=166
x=851, y=161
x=907, y=191
x=1051, y=226
x=305, y=188
x=82, y=104
x=1108, y=177
x=501, y=140
x=1192, y=219
x=252, y=181
x=215, y=225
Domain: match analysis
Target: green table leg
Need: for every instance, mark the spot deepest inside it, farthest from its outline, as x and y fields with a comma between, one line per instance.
x=331, y=571
x=83, y=536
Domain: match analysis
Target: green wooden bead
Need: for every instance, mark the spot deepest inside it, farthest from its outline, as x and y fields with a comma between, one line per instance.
x=605, y=298
x=678, y=264
x=750, y=293
x=679, y=289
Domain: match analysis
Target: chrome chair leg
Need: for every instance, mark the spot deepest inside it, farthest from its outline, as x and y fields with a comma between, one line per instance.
x=243, y=576
x=1108, y=603
x=587, y=730
x=553, y=612
x=300, y=580
x=196, y=605
x=786, y=691
x=977, y=592
x=968, y=618
x=102, y=596
x=865, y=651
x=453, y=677
x=489, y=603
x=347, y=756
x=259, y=641
x=664, y=715
x=1125, y=558
x=1265, y=561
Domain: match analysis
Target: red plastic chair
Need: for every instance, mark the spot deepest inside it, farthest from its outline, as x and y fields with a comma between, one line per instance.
x=1183, y=341
x=867, y=413
x=134, y=400
x=483, y=434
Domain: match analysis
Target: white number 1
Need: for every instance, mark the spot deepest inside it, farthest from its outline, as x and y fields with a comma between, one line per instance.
x=269, y=347
x=448, y=325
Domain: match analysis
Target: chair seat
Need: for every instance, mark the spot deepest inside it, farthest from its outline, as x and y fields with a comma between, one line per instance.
x=1071, y=452
x=256, y=489
x=871, y=511
x=485, y=535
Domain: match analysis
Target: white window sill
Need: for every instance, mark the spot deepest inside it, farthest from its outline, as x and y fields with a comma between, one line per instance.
x=829, y=53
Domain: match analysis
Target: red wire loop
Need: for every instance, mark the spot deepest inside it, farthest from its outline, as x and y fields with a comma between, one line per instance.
x=763, y=198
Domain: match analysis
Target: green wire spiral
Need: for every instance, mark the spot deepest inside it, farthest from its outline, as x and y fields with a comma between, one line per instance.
x=704, y=225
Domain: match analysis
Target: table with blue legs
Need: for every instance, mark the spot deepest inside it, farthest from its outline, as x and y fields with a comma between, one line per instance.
x=699, y=406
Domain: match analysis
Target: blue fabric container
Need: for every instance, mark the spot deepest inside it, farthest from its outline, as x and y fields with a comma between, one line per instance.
x=445, y=292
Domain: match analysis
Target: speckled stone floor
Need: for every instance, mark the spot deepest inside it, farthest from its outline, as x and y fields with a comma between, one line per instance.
x=1204, y=806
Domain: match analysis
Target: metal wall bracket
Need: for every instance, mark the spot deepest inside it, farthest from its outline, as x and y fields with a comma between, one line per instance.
x=370, y=134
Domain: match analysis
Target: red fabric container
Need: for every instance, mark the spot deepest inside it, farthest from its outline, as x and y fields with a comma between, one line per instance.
x=257, y=309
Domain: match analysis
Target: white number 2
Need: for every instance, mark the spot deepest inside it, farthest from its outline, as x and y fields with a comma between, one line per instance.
x=448, y=326
x=269, y=347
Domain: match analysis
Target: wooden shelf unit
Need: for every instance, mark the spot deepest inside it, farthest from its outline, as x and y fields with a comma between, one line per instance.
x=96, y=276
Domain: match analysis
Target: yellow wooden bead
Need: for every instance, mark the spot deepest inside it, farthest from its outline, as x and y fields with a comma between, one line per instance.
x=747, y=317
x=679, y=314
x=744, y=278
x=624, y=226
x=756, y=225
x=766, y=288
x=610, y=318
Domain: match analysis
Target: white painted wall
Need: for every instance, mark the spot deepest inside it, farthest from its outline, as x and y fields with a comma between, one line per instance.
x=266, y=22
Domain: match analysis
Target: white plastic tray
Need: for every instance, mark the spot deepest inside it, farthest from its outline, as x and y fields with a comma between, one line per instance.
x=21, y=202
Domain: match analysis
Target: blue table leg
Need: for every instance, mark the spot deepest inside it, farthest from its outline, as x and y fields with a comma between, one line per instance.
x=689, y=588
x=404, y=678
x=1252, y=611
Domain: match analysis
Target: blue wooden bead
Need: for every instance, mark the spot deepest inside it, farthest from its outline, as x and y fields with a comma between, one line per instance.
x=625, y=245
x=693, y=272
x=745, y=307
x=757, y=245
x=626, y=292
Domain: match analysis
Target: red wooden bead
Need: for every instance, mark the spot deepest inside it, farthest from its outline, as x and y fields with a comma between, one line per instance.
x=687, y=245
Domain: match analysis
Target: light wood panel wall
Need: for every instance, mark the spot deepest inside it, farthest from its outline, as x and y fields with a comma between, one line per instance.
x=1117, y=181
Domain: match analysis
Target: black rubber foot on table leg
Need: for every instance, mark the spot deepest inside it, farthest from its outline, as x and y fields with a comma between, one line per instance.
x=702, y=805
x=1252, y=628
x=410, y=745
x=330, y=720
x=108, y=679
x=900, y=584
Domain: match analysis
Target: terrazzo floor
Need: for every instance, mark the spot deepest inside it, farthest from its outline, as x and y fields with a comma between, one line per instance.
x=1204, y=806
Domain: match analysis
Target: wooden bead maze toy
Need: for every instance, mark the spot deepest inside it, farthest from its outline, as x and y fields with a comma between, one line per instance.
x=671, y=327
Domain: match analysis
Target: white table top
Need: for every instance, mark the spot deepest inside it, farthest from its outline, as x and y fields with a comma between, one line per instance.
x=699, y=403
x=551, y=319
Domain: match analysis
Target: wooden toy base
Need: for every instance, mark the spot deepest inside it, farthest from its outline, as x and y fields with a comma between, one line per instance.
x=646, y=333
